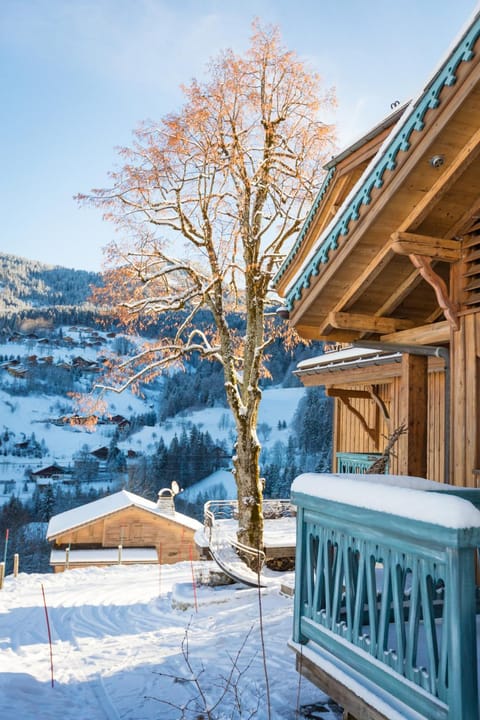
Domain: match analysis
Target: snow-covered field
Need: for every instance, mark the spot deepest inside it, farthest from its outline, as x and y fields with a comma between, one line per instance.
x=117, y=638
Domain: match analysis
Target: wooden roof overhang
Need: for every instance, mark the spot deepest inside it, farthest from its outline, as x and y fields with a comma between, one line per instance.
x=381, y=267
x=342, y=173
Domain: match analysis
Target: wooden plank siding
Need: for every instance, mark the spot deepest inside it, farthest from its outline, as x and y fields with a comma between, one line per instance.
x=350, y=434
x=464, y=398
x=134, y=527
x=436, y=426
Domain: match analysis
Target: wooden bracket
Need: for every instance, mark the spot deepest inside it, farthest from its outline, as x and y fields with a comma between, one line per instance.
x=377, y=399
x=424, y=266
x=345, y=395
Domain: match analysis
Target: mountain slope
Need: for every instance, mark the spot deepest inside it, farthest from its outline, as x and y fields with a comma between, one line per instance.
x=27, y=284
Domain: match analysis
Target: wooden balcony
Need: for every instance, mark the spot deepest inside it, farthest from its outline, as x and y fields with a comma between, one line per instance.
x=355, y=462
x=385, y=596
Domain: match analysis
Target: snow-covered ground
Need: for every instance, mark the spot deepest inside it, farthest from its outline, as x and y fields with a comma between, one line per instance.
x=118, y=635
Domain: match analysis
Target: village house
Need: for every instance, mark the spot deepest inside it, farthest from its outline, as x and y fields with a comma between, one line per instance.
x=122, y=527
x=386, y=271
x=50, y=471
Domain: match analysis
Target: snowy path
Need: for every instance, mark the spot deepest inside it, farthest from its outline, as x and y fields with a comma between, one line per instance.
x=114, y=630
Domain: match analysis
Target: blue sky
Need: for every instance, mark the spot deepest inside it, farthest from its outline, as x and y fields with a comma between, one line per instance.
x=77, y=76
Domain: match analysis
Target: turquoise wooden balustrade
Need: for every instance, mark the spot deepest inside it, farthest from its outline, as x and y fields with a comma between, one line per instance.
x=355, y=462
x=388, y=599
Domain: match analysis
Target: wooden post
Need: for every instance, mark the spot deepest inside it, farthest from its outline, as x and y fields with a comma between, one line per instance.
x=119, y=554
x=413, y=411
x=16, y=560
x=67, y=557
x=461, y=638
x=2, y=574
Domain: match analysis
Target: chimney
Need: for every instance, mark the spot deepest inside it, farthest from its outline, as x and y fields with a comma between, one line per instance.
x=165, y=502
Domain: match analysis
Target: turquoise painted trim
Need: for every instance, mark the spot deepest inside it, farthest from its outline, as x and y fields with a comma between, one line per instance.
x=409, y=629
x=356, y=462
x=400, y=142
x=313, y=211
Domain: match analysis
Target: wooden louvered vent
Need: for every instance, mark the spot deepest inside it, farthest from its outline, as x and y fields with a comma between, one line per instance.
x=471, y=287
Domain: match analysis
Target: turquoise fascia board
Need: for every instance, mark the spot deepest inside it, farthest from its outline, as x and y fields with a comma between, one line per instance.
x=313, y=211
x=400, y=142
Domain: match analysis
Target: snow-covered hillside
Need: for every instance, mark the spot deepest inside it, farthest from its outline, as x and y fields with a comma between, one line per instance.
x=118, y=635
x=27, y=413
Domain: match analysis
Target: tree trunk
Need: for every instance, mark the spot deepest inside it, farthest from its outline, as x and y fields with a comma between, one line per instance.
x=249, y=486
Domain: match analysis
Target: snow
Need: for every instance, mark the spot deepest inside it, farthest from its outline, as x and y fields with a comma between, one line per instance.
x=114, y=630
x=277, y=533
x=345, y=354
x=106, y=506
x=104, y=555
x=393, y=494
x=208, y=484
x=36, y=412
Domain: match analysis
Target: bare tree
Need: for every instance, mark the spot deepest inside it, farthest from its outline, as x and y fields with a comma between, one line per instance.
x=232, y=175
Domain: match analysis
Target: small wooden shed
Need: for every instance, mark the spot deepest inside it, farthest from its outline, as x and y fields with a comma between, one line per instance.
x=122, y=527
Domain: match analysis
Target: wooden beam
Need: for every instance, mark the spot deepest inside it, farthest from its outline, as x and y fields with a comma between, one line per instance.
x=400, y=293
x=312, y=332
x=347, y=393
x=432, y=334
x=449, y=175
x=413, y=411
x=439, y=248
x=364, y=323
x=366, y=278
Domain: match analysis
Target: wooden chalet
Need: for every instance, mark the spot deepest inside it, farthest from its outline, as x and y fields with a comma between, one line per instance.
x=389, y=259
x=50, y=471
x=386, y=271
x=121, y=528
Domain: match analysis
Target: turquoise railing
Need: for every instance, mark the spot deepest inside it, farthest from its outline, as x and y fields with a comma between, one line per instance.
x=390, y=602
x=355, y=462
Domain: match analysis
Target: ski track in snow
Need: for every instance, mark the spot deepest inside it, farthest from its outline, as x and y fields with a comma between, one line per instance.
x=115, y=629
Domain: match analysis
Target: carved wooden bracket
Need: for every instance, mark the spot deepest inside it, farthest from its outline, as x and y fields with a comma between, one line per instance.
x=449, y=309
x=346, y=394
x=371, y=432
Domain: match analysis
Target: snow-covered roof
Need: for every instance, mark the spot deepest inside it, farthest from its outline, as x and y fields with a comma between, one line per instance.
x=107, y=506
x=108, y=556
x=345, y=357
x=393, y=494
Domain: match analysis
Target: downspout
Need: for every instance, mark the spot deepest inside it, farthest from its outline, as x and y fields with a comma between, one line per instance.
x=431, y=351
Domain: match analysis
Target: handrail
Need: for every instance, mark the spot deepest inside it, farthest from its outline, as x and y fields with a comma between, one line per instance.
x=228, y=552
x=390, y=600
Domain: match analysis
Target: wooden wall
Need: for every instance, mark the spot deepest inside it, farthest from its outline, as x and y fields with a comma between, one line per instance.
x=351, y=435
x=134, y=527
x=465, y=386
